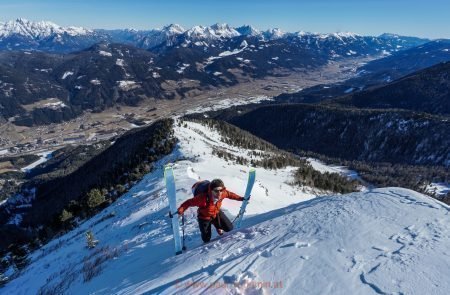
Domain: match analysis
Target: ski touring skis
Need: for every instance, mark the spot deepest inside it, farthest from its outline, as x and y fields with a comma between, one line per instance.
x=251, y=181
x=171, y=195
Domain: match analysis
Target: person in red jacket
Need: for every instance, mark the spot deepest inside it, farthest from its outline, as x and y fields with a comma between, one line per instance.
x=209, y=212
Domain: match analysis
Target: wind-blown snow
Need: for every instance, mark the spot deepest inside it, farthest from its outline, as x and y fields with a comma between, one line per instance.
x=383, y=241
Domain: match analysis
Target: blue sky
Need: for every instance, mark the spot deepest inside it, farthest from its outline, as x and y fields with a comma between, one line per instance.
x=367, y=17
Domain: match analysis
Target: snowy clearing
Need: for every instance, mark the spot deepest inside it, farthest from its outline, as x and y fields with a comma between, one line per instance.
x=66, y=74
x=105, y=53
x=45, y=156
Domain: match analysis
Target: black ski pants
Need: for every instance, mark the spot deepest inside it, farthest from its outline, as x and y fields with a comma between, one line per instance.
x=220, y=222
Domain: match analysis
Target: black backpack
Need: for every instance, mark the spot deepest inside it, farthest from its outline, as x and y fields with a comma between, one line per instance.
x=200, y=187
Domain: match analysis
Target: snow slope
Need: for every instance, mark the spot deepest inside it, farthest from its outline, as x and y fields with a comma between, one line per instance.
x=44, y=156
x=383, y=241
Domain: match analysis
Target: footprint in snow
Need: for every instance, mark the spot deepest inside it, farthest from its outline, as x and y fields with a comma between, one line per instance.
x=382, y=249
x=296, y=245
x=266, y=253
x=250, y=235
x=302, y=245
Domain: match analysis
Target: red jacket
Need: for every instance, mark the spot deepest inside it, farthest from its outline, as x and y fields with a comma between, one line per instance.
x=208, y=210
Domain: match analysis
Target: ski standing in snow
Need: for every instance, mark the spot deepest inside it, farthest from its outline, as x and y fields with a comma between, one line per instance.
x=171, y=195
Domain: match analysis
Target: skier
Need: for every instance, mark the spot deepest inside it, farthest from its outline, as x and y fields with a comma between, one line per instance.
x=209, y=202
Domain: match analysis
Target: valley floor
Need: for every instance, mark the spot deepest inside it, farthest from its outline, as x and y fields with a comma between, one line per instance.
x=114, y=121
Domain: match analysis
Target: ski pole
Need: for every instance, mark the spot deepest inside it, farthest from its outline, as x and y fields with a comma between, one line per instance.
x=182, y=222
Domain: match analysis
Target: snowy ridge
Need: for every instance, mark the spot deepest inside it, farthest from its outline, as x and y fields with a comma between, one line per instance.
x=214, y=32
x=173, y=29
x=273, y=34
x=248, y=30
x=43, y=29
x=38, y=30
x=385, y=241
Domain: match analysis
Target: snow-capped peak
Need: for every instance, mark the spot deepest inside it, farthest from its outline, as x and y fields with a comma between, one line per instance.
x=345, y=35
x=174, y=29
x=273, y=34
x=224, y=31
x=389, y=36
x=214, y=32
x=39, y=29
x=248, y=30
x=302, y=33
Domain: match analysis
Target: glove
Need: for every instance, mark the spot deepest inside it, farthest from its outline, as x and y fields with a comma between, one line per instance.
x=180, y=210
x=246, y=198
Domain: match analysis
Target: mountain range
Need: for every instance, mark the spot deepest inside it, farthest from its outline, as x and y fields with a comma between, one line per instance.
x=55, y=74
x=47, y=36
x=92, y=218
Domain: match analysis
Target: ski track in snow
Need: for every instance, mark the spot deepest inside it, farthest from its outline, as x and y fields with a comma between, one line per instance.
x=382, y=241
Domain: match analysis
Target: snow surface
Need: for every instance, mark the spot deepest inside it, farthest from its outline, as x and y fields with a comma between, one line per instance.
x=349, y=90
x=44, y=157
x=127, y=84
x=66, y=74
x=95, y=82
x=105, y=53
x=120, y=62
x=55, y=105
x=211, y=59
x=383, y=241
x=228, y=102
x=321, y=167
